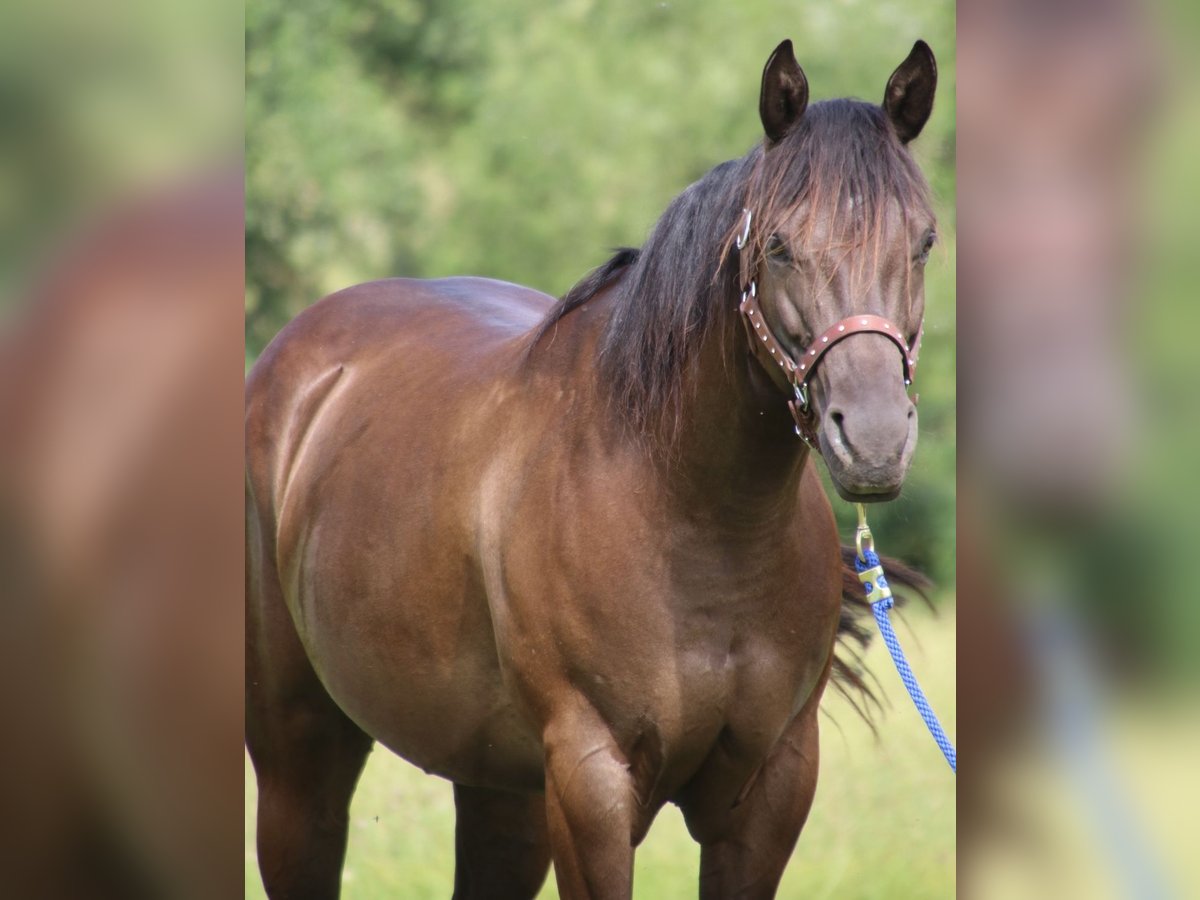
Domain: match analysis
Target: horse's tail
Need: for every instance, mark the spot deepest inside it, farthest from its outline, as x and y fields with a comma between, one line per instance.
x=855, y=628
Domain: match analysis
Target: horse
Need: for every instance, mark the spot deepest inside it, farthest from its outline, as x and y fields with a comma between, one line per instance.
x=571, y=555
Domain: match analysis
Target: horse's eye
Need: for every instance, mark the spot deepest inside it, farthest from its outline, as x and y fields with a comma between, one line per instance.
x=777, y=250
x=926, y=248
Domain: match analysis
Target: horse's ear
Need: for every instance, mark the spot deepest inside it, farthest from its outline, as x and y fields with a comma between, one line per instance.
x=908, y=98
x=784, y=93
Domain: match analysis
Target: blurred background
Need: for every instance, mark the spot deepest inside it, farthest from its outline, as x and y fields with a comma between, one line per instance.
x=427, y=139
x=121, y=368
x=523, y=141
x=1078, y=621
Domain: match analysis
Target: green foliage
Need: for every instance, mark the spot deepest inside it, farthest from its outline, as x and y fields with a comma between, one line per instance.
x=523, y=140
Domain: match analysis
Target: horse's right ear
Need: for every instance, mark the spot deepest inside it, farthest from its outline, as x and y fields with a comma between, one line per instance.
x=784, y=94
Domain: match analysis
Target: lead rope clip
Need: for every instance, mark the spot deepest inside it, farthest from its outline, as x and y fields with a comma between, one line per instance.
x=870, y=572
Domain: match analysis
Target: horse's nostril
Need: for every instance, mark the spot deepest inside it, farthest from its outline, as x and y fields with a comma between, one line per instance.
x=837, y=422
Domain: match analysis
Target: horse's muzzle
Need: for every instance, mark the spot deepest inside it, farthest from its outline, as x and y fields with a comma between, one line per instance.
x=869, y=450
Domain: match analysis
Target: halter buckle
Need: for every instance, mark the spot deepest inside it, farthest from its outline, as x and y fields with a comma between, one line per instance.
x=801, y=390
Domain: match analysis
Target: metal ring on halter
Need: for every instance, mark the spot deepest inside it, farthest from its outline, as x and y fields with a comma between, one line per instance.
x=801, y=389
x=745, y=235
x=751, y=291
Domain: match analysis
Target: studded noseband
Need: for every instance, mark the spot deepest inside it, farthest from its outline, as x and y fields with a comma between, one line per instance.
x=795, y=374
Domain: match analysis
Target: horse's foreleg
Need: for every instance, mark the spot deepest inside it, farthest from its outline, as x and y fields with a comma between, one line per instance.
x=745, y=850
x=591, y=809
x=502, y=851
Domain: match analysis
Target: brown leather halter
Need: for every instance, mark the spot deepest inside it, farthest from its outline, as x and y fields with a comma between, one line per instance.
x=793, y=375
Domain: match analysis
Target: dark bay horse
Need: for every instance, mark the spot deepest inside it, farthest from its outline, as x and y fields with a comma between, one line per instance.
x=572, y=556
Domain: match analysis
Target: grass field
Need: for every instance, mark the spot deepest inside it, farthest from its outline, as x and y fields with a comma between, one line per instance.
x=882, y=825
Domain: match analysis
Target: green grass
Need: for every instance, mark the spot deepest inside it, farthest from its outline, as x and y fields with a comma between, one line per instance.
x=882, y=825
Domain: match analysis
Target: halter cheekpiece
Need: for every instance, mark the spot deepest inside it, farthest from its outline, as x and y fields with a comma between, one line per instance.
x=796, y=373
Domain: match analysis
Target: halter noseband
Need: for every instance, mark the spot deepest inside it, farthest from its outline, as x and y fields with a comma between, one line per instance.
x=797, y=373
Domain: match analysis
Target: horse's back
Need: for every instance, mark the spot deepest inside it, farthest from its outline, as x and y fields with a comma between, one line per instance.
x=395, y=316
x=404, y=337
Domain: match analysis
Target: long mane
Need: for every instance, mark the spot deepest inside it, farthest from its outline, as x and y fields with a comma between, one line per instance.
x=842, y=162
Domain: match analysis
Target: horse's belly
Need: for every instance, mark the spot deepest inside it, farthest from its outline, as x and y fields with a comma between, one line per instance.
x=419, y=673
x=455, y=721
x=468, y=745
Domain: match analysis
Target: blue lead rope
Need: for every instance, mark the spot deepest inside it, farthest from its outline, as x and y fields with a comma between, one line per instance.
x=870, y=573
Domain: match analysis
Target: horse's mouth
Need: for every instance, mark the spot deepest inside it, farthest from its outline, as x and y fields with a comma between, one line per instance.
x=865, y=493
x=875, y=478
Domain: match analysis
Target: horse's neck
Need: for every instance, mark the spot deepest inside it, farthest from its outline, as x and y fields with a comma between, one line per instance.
x=732, y=454
x=736, y=450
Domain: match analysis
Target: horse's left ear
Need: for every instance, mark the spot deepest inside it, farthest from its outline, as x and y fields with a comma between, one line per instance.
x=908, y=98
x=784, y=95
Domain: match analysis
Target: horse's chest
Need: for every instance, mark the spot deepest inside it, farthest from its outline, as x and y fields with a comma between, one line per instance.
x=756, y=677
x=730, y=689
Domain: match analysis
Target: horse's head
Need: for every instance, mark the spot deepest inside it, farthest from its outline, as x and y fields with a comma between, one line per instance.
x=842, y=230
